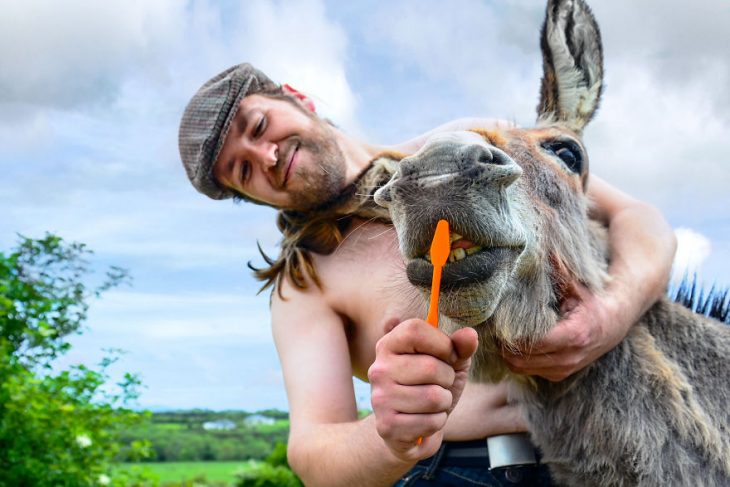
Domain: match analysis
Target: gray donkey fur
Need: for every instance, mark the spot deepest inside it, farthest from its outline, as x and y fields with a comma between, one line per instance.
x=653, y=411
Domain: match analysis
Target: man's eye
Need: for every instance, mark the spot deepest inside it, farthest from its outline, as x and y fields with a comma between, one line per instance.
x=260, y=127
x=244, y=170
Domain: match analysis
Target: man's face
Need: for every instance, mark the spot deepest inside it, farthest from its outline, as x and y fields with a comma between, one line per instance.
x=278, y=153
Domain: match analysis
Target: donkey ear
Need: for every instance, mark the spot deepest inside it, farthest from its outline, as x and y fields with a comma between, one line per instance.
x=572, y=65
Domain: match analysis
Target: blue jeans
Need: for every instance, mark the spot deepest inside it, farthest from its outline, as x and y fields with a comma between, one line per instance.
x=436, y=472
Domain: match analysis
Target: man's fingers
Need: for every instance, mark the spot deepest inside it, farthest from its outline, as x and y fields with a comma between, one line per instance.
x=551, y=366
x=405, y=429
x=413, y=369
x=556, y=339
x=568, y=334
x=425, y=399
x=465, y=341
x=523, y=363
x=417, y=337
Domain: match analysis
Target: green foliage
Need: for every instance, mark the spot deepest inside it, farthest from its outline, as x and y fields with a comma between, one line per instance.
x=278, y=458
x=261, y=474
x=174, y=435
x=180, y=436
x=57, y=427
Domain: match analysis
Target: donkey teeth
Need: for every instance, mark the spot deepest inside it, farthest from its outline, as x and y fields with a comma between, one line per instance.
x=453, y=237
x=458, y=254
x=473, y=250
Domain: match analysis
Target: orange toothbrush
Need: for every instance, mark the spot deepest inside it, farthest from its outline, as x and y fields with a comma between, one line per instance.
x=440, y=249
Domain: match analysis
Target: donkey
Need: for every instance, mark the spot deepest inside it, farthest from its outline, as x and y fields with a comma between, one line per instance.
x=652, y=412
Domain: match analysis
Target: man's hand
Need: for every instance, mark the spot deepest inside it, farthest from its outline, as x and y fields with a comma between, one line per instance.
x=642, y=246
x=592, y=326
x=417, y=378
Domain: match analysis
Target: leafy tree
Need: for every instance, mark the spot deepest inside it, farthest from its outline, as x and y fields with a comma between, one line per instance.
x=57, y=427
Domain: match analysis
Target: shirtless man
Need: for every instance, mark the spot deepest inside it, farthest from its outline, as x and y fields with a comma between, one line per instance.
x=242, y=136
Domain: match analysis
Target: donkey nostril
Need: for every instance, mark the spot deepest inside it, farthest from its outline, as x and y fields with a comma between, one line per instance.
x=485, y=156
x=478, y=154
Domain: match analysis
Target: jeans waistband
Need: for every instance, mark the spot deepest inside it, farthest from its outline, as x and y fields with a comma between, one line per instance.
x=475, y=453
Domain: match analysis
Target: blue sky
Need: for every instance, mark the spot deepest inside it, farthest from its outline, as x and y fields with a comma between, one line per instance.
x=91, y=94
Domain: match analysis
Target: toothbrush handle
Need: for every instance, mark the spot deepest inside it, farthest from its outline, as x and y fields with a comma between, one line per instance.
x=433, y=308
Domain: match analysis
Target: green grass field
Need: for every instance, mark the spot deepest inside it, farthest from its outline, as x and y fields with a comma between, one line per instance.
x=178, y=471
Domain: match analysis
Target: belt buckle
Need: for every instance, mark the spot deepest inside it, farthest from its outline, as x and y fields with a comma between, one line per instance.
x=510, y=450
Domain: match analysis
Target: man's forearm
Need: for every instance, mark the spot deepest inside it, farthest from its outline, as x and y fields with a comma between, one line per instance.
x=642, y=248
x=340, y=454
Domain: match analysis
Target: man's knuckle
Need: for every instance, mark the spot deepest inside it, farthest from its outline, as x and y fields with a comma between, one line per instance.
x=430, y=368
x=378, y=398
x=436, y=397
x=572, y=362
x=375, y=372
x=380, y=345
x=434, y=423
x=411, y=329
x=431, y=396
x=450, y=375
x=384, y=427
x=582, y=338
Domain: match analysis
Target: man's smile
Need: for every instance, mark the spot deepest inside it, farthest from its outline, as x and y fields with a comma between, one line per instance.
x=290, y=164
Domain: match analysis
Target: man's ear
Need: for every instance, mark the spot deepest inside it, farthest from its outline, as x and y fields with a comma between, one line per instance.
x=306, y=101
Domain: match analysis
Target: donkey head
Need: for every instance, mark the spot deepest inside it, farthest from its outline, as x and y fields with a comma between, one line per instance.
x=515, y=201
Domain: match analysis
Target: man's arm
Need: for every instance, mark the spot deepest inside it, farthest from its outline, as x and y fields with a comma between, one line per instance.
x=328, y=445
x=642, y=246
x=467, y=123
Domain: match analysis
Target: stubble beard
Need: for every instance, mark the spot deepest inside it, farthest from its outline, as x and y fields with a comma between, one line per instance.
x=325, y=179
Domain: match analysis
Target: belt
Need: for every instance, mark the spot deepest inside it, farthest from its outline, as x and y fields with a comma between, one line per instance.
x=499, y=451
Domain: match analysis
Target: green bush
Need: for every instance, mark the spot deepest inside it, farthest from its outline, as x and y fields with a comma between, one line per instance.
x=57, y=427
x=260, y=474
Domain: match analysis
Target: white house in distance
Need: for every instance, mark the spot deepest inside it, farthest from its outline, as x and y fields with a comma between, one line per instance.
x=220, y=425
x=256, y=419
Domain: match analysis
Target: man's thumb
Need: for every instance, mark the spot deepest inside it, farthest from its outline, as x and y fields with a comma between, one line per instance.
x=465, y=342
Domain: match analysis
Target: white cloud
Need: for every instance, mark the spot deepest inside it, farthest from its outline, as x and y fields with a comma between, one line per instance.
x=660, y=142
x=77, y=52
x=149, y=316
x=295, y=42
x=466, y=46
x=693, y=249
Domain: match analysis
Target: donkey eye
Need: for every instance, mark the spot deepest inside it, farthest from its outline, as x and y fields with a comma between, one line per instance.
x=568, y=152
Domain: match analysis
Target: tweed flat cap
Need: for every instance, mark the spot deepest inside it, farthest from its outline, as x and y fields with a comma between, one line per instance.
x=206, y=121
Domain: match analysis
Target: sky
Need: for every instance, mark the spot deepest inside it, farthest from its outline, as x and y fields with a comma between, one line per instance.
x=91, y=95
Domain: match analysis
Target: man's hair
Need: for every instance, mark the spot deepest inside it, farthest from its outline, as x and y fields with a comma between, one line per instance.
x=321, y=230
x=301, y=235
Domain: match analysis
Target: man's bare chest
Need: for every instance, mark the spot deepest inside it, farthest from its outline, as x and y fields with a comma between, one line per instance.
x=364, y=282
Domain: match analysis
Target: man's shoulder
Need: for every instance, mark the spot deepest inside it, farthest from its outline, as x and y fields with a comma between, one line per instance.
x=362, y=239
x=365, y=245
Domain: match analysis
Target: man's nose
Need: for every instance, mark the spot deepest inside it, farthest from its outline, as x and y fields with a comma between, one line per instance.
x=265, y=153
